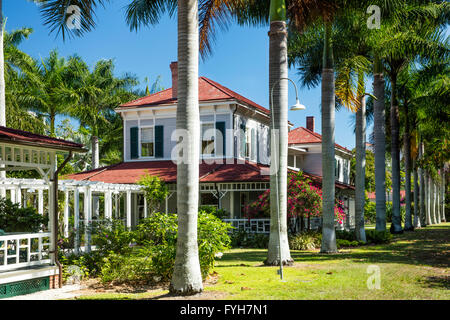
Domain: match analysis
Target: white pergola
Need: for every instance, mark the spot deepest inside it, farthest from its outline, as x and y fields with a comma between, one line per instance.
x=20, y=190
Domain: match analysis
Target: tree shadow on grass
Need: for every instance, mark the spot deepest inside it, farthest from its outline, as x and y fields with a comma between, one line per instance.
x=426, y=247
x=437, y=282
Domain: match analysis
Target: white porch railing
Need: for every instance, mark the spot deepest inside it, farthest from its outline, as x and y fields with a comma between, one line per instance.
x=250, y=225
x=24, y=249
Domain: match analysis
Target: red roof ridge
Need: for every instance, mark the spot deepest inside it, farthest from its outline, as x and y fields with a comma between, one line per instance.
x=317, y=135
x=141, y=98
x=233, y=94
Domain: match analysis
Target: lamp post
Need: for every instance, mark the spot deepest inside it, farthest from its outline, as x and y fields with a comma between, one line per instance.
x=295, y=107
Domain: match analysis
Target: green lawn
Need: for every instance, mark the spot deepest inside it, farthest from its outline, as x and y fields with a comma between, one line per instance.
x=414, y=266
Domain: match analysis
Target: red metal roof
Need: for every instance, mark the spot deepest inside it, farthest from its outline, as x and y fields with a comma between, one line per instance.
x=25, y=137
x=208, y=90
x=302, y=135
x=131, y=172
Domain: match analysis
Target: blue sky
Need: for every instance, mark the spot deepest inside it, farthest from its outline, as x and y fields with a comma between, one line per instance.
x=239, y=60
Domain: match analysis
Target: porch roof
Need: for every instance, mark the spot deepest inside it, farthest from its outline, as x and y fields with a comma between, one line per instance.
x=130, y=172
x=15, y=136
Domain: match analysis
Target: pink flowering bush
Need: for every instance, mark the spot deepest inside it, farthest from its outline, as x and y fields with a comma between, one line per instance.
x=304, y=200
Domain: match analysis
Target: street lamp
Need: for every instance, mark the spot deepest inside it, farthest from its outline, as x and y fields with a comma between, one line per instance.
x=295, y=107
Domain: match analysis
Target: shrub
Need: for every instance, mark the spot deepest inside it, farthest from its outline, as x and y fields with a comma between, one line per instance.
x=378, y=237
x=155, y=191
x=370, y=212
x=113, y=236
x=16, y=219
x=241, y=238
x=304, y=199
x=159, y=233
x=389, y=212
x=157, y=229
x=308, y=240
x=340, y=243
x=346, y=235
x=119, y=268
x=219, y=213
x=90, y=264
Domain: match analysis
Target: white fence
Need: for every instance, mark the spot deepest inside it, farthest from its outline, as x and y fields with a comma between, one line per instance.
x=24, y=249
x=250, y=225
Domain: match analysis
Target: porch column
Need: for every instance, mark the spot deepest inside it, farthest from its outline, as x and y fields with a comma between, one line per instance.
x=19, y=196
x=12, y=193
x=76, y=219
x=232, y=204
x=41, y=201
x=116, y=200
x=108, y=205
x=87, y=218
x=128, y=209
x=52, y=209
x=66, y=214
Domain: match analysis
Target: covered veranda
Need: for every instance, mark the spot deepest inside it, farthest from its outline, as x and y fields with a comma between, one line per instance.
x=28, y=261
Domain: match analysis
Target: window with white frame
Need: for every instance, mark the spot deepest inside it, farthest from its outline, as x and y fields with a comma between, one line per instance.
x=248, y=142
x=147, y=141
x=208, y=137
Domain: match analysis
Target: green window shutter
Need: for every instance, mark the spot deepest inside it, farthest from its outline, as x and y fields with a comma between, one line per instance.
x=220, y=126
x=243, y=140
x=159, y=141
x=134, y=143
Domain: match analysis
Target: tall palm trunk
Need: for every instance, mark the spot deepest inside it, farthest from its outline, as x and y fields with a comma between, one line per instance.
x=443, y=219
x=438, y=202
x=278, y=69
x=95, y=152
x=407, y=157
x=360, y=170
x=328, y=160
x=380, y=147
x=2, y=89
x=187, y=277
x=422, y=187
x=396, y=226
x=428, y=198
x=416, y=195
x=433, y=201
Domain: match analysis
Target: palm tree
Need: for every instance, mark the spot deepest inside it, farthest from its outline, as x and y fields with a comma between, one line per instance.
x=49, y=88
x=97, y=93
x=380, y=145
x=278, y=71
x=399, y=45
x=187, y=277
x=255, y=12
x=2, y=73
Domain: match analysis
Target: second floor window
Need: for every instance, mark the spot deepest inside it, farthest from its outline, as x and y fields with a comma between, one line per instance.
x=147, y=142
x=207, y=135
x=248, y=142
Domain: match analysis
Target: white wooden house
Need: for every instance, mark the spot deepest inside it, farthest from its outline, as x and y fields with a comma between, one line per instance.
x=235, y=149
